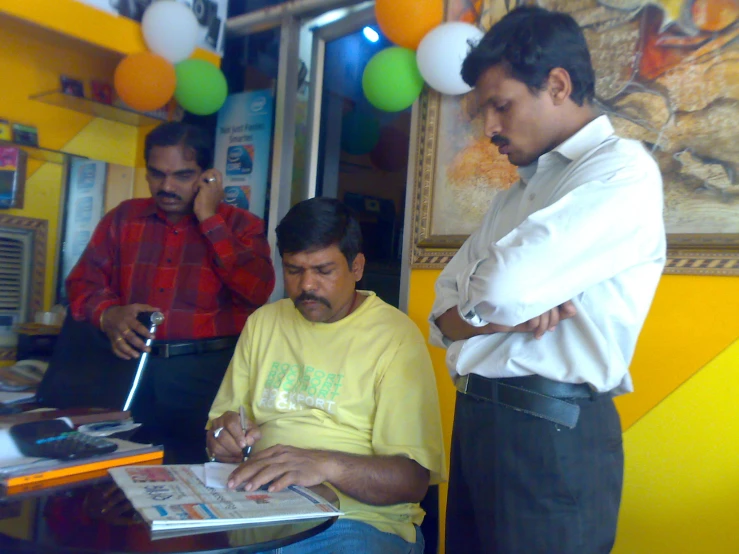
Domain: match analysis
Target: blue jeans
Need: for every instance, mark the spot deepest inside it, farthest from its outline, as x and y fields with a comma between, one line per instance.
x=347, y=536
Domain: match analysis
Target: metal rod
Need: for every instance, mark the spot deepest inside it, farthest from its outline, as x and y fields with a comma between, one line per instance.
x=157, y=318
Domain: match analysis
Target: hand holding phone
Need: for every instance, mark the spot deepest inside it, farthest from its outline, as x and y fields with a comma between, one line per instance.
x=209, y=194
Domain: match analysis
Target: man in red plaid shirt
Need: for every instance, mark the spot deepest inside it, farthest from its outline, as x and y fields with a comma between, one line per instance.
x=202, y=263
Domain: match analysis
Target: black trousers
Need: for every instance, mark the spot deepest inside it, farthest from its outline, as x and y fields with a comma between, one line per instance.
x=173, y=401
x=520, y=484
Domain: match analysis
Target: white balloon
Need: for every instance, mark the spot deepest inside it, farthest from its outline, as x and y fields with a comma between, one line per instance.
x=440, y=55
x=170, y=30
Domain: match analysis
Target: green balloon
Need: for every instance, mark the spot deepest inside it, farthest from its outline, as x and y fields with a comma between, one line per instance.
x=391, y=81
x=201, y=87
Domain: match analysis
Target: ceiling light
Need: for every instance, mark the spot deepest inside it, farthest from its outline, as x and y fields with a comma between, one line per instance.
x=370, y=34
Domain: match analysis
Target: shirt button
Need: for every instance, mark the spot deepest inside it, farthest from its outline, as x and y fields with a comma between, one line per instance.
x=161, y=290
x=169, y=261
x=175, y=231
x=532, y=196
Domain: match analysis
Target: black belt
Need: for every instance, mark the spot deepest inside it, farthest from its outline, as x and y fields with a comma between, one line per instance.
x=533, y=394
x=162, y=349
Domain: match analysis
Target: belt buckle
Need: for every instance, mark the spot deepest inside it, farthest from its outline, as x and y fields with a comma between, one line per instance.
x=462, y=383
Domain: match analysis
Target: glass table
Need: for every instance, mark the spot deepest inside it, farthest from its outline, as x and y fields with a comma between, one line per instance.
x=81, y=518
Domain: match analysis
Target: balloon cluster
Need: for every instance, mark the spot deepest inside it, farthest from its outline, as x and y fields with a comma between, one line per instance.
x=147, y=81
x=427, y=50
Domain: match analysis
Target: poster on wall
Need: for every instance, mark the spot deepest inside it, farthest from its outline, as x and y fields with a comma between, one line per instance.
x=211, y=15
x=243, y=141
x=84, y=209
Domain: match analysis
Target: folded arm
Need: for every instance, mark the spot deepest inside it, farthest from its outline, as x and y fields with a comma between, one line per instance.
x=590, y=233
x=454, y=327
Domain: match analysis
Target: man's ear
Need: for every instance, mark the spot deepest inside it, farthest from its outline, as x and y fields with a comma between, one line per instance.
x=559, y=85
x=358, y=267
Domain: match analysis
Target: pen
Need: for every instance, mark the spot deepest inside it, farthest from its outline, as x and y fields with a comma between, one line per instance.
x=242, y=416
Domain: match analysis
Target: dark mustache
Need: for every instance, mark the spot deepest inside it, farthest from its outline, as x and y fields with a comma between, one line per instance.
x=165, y=194
x=308, y=297
x=499, y=141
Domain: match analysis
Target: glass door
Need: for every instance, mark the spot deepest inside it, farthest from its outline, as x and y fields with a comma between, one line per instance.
x=328, y=140
x=355, y=152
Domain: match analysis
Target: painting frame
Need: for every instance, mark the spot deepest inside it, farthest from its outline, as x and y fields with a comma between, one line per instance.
x=687, y=254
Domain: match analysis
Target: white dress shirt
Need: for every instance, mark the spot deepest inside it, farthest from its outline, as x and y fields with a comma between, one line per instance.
x=584, y=223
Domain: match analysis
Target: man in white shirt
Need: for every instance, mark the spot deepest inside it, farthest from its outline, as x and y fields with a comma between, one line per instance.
x=541, y=308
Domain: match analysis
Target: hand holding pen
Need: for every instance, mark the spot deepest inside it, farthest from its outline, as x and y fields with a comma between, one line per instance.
x=231, y=437
x=242, y=419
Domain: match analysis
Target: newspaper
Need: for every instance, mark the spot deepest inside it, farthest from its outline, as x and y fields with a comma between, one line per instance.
x=174, y=497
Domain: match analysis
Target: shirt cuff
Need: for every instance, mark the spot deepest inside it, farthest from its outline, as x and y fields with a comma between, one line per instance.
x=466, y=306
x=437, y=338
x=213, y=223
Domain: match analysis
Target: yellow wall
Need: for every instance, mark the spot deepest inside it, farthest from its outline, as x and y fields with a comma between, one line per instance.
x=42, y=40
x=31, y=61
x=682, y=476
x=681, y=429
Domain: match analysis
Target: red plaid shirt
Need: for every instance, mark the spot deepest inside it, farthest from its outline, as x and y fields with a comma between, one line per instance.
x=205, y=277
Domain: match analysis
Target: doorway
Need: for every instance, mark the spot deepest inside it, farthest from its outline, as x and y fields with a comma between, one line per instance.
x=328, y=140
x=355, y=152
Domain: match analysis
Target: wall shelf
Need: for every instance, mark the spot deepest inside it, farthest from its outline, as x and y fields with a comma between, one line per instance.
x=39, y=153
x=96, y=109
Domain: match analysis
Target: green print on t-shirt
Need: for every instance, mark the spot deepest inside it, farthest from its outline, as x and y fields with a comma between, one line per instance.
x=293, y=387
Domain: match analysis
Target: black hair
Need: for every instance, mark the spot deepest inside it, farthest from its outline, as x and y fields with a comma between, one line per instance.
x=188, y=136
x=318, y=223
x=531, y=41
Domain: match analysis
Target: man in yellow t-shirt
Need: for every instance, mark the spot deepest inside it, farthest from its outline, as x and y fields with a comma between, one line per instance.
x=338, y=388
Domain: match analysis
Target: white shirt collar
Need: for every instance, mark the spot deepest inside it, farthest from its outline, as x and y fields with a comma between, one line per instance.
x=587, y=138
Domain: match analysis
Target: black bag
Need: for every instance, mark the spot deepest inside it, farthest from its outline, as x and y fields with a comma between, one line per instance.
x=84, y=372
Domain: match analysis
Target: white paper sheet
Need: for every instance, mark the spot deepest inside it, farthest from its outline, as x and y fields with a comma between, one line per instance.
x=216, y=474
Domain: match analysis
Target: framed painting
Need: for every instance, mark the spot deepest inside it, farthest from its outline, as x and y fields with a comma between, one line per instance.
x=667, y=75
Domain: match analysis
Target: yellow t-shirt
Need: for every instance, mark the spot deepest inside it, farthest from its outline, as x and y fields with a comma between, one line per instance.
x=362, y=385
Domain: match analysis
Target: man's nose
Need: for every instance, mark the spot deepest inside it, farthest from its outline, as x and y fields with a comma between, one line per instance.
x=308, y=282
x=492, y=124
x=168, y=184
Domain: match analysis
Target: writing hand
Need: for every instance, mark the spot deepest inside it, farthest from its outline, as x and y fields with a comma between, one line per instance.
x=231, y=439
x=282, y=466
x=125, y=332
x=209, y=194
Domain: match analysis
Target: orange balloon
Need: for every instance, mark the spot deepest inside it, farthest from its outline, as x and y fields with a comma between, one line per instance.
x=145, y=81
x=406, y=22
